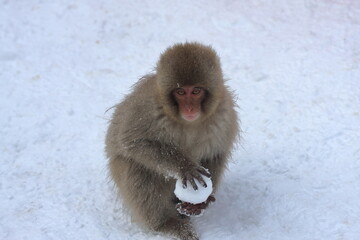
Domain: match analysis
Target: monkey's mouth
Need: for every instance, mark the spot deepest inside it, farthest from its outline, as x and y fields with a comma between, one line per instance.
x=190, y=117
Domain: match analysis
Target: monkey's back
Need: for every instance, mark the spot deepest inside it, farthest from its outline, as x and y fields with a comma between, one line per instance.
x=131, y=117
x=139, y=187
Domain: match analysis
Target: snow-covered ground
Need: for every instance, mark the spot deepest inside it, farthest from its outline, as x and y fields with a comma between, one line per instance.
x=293, y=64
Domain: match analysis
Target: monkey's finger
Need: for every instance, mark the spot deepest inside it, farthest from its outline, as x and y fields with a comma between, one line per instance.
x=204, y=172
x=178, y=206
x=201, y=180
x=211, y=199
x=189, y=208
x=184, y=183
x=185, y=205
x=193, y=184
x=202, y=205
x=197, y=212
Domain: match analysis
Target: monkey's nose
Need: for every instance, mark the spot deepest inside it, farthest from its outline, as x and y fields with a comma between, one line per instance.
x=189, y=108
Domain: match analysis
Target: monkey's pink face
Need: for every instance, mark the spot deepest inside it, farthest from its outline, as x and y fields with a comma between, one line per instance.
x=189, y=99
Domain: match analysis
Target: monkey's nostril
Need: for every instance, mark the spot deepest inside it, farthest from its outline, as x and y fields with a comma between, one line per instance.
x=189, y=108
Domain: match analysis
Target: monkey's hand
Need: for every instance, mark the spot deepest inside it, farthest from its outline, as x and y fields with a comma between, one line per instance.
x=192, y=173
x=189, y=209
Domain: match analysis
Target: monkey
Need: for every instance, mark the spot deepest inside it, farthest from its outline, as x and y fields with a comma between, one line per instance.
x=179, y=122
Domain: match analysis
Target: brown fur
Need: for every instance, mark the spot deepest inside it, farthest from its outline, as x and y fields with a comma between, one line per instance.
x=190, y=64
x=148, y=144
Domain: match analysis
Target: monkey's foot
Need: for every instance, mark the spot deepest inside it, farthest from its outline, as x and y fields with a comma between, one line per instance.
x=179, y=228
x=189, y=209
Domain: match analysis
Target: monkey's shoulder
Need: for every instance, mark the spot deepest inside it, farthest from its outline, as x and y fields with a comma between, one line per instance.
x=136, y=111
x=145, y=85
x=141, y=95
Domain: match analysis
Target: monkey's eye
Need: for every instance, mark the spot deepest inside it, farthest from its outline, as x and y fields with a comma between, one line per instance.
x=196, y=91
x=180, y=91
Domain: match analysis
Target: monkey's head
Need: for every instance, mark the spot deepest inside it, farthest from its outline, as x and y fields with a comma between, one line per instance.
x=190, y=83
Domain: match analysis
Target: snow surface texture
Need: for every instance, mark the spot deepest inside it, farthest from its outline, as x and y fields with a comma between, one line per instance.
x=193, y=196
x=294, y=66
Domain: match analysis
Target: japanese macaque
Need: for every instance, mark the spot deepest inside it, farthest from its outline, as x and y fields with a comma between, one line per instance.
x=178, y=123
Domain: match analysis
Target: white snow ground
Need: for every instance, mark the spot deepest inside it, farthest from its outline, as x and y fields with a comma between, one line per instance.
x=293, y=64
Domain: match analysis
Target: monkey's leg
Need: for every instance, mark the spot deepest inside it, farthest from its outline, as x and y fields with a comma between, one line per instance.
x=151, y=198
x=159, y=212
x=179, y=227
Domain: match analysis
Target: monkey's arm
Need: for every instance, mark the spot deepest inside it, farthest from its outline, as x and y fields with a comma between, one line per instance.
x=167, y=160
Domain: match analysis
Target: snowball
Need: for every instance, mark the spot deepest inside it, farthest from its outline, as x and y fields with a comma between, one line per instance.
x=193, y=196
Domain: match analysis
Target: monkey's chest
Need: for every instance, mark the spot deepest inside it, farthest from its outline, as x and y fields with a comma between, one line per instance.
x=201, y=145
